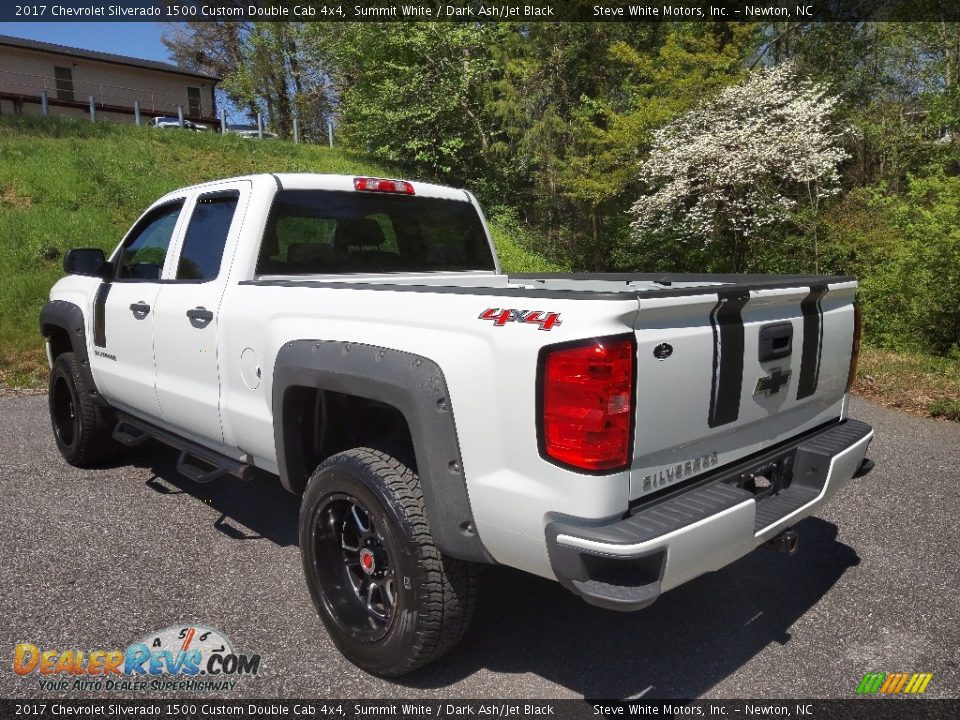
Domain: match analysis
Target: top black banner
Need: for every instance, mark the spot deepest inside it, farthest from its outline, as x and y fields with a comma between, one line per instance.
x=768, y=11
x=494, y=709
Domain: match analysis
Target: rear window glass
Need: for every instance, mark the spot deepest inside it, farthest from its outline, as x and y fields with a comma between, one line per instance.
x=327, y=231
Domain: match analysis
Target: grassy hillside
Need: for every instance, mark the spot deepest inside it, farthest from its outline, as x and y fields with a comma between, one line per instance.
x=67, y=184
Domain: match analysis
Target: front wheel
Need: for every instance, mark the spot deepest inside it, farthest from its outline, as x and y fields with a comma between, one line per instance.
x=390, y=601
x=81, y=428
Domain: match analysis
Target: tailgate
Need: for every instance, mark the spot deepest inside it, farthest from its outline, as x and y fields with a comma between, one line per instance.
x=726, y=374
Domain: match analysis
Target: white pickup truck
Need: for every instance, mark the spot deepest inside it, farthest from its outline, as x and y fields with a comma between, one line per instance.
x=621, y=434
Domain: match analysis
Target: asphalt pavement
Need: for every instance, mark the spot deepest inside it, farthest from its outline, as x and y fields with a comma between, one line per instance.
x=96, y=559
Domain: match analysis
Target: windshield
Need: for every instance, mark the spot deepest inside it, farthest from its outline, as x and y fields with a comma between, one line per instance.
x=326, y=231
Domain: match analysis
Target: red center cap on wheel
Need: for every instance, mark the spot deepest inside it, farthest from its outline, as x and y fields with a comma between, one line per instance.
x=367, y=562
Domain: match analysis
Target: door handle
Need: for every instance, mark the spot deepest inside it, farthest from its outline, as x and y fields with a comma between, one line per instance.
x=140, y=309
x=199, y=316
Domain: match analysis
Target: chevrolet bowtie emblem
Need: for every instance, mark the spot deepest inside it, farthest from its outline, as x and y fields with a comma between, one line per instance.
x=771, y=384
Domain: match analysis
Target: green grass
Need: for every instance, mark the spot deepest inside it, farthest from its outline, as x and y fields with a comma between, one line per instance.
x=945, y=408
x=66, y=184
x=515, y=245
x=912, y=381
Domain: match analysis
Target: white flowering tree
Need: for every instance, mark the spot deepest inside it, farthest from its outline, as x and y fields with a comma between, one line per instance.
x=742, y=162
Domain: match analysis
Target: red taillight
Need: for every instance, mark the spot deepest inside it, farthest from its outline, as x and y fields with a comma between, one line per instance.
x=587, y=404
x=855, y=349
x=401, y=187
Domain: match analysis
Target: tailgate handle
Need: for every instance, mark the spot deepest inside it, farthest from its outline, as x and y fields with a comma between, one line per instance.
x=776, y=341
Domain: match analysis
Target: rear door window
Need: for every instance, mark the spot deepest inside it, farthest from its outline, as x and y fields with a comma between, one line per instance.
x=206, y=236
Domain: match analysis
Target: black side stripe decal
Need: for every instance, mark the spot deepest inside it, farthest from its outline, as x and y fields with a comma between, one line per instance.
x=728, y=351
x=100, y=315
x=812, y=341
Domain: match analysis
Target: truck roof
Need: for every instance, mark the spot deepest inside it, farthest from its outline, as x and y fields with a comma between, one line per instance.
x=322, y=181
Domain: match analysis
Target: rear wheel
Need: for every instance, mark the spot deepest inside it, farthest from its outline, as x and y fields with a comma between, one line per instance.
x=390, y=601
x=82, y=429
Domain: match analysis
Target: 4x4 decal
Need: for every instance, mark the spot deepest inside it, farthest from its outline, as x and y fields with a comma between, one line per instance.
x=546, y=320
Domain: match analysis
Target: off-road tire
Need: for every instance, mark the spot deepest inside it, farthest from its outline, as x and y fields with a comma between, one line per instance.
x=82, y=429
x=434, y=596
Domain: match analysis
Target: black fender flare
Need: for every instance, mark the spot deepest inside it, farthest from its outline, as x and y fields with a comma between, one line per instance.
x=69, y=317
x=412, y=384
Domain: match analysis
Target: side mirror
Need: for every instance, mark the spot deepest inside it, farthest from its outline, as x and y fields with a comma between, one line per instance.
x=84, y=261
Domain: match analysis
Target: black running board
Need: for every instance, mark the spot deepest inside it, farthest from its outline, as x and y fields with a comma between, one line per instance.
x=128, y=435
x=196, y=462
x=192, y=468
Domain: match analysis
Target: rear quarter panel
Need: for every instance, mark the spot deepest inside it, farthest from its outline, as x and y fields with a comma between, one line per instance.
x=490, y=373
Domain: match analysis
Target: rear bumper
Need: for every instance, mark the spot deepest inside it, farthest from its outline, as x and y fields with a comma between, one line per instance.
x=627, y=564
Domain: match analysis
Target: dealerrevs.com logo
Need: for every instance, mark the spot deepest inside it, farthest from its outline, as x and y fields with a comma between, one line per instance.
x=186, y=657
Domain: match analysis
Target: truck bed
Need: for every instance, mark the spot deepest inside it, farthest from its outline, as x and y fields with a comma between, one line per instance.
x=588, y=286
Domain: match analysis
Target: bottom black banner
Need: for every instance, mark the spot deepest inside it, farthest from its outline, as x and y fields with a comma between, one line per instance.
x=852, y=709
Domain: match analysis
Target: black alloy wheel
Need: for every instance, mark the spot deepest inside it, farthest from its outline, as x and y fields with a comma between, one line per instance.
x=353, y=563
x=390, y=600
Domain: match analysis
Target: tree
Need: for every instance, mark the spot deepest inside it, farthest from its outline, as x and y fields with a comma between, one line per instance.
x=911, y=292
x=741, y=163
x=263, y=69
x=412, y=93
x=577, y=103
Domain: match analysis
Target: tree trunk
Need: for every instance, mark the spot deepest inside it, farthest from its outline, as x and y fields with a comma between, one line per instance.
x=814, y=197
x=738, y=252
